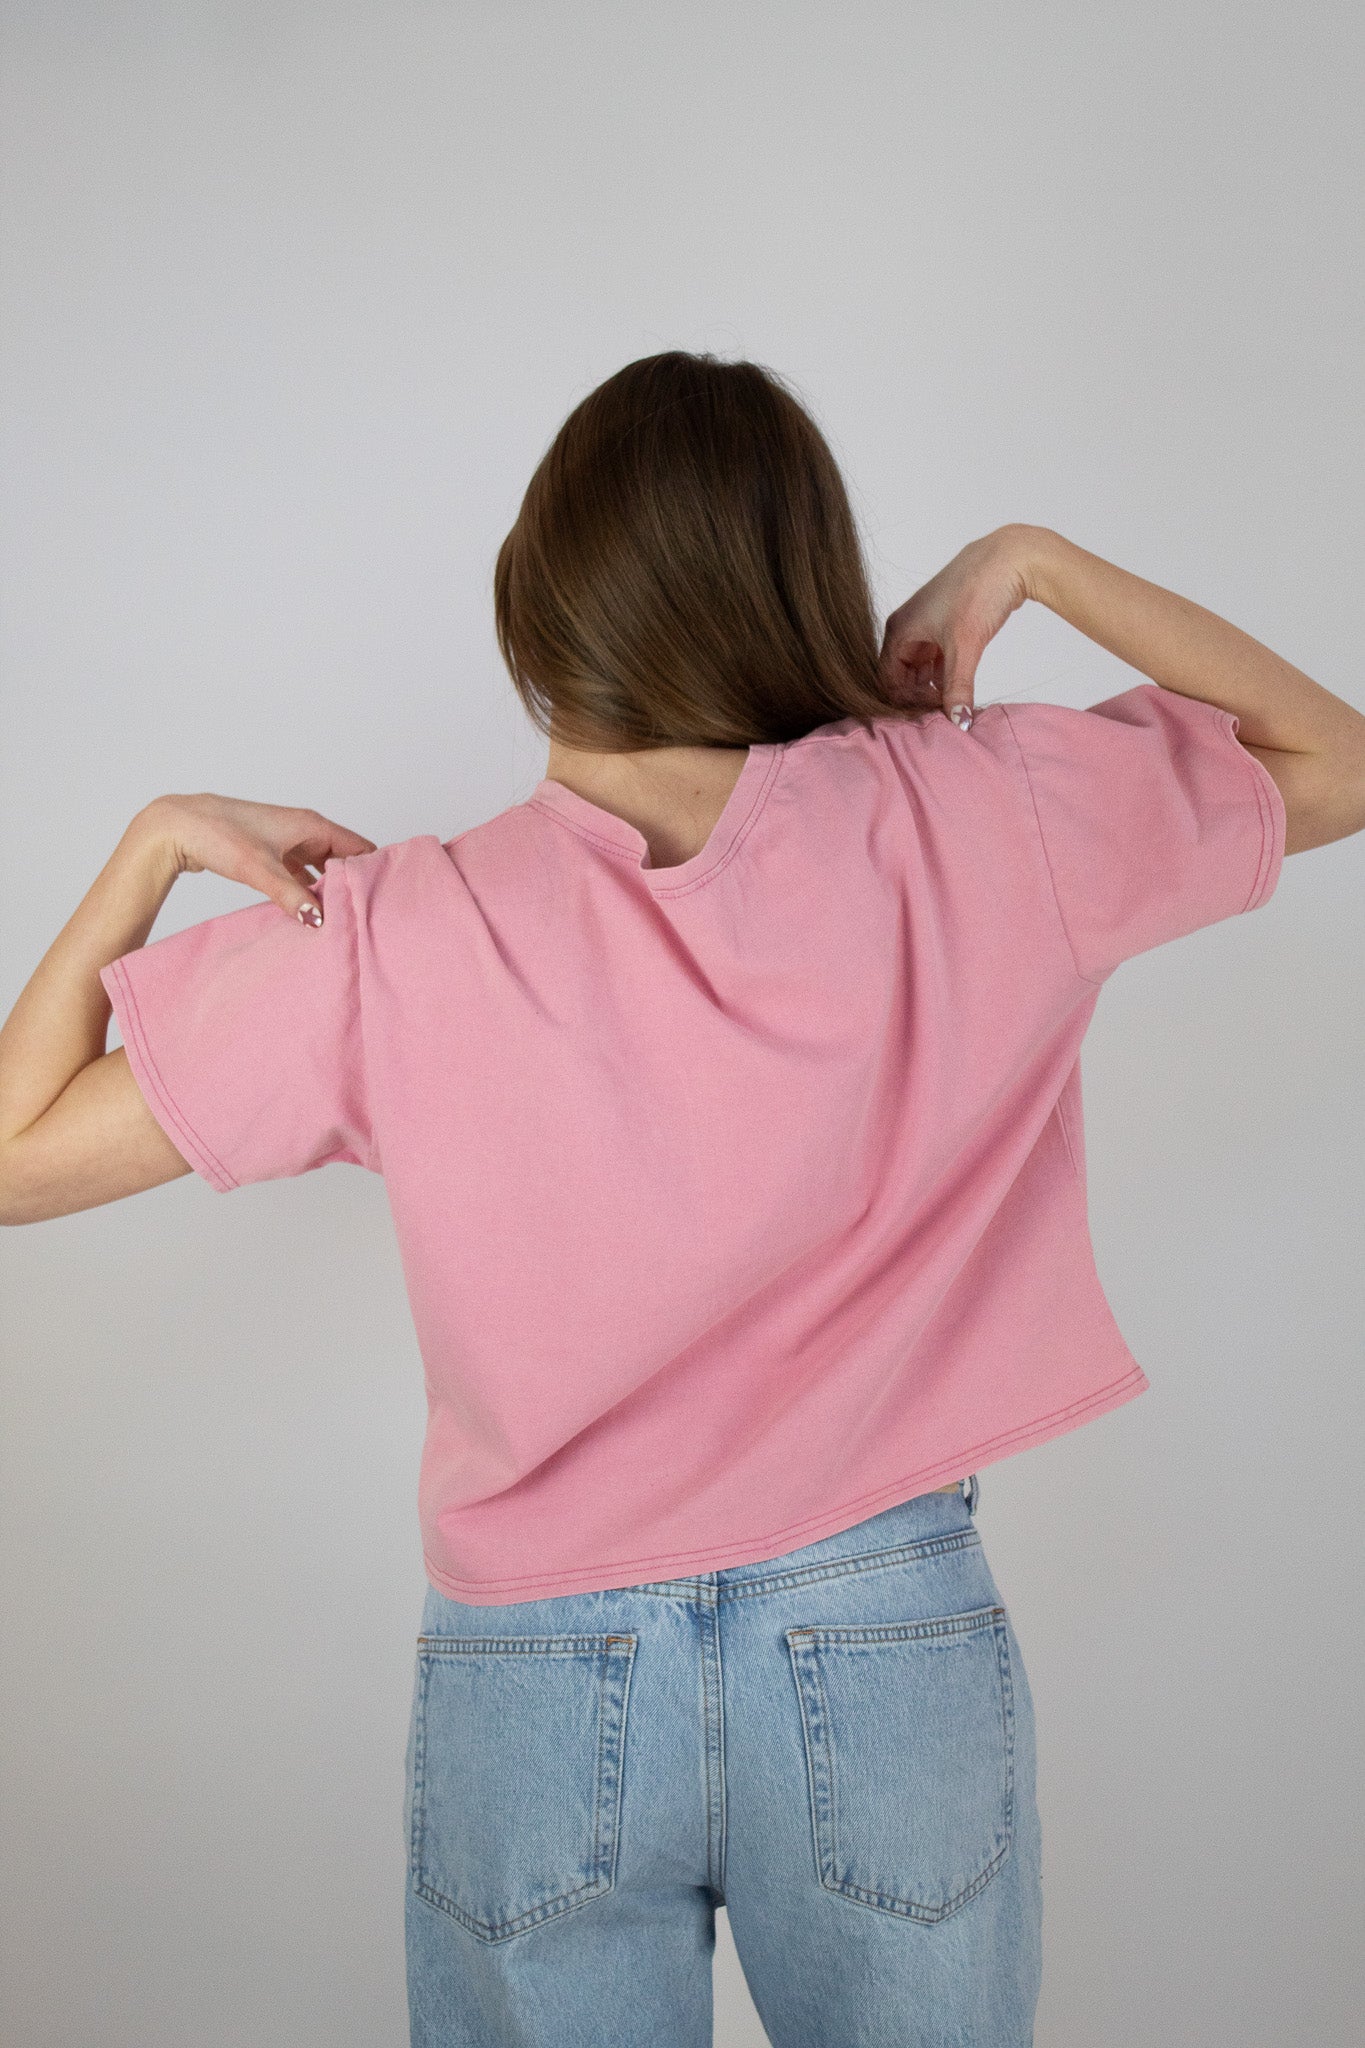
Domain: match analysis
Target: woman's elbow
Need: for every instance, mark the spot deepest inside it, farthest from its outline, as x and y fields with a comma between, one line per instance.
x=1323, y=793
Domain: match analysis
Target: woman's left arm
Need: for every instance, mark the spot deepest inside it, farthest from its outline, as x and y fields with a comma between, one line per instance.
x=75, y=1130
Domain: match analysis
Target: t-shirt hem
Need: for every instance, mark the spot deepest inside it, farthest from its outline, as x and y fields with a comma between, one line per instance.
x=830, y=1522
x=119, y=989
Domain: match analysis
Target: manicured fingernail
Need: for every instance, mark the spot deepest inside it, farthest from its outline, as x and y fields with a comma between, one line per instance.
x=961, y=715
x=310, y=914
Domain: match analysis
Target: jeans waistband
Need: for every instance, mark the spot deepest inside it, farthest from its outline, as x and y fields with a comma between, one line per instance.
x=924, y=1518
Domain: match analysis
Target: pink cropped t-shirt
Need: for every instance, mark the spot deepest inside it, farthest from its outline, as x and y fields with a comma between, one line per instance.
x=740, y=1199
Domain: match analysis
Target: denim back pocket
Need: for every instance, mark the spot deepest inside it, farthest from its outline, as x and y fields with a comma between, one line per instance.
x=517, y=1752
x=909, y=1733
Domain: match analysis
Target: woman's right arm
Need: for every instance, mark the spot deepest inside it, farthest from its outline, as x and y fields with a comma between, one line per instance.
x=75, y=1128
x=1311, y=742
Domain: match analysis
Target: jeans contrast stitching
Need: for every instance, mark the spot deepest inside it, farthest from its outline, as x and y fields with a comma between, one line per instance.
x=818, y=1732
x=613, y=1696
x=807, y=1575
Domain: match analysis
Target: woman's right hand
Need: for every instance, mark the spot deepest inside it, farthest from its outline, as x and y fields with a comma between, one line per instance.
x=934, y=641
x=269, y=847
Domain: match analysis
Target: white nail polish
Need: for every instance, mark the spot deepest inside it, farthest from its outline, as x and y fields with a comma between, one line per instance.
x=961, y=715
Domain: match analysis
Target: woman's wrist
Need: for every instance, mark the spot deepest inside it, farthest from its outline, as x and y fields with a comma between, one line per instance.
x=149, y=840
x=1039, y=556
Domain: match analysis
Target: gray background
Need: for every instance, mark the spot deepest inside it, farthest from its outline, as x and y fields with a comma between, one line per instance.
x=294, y=298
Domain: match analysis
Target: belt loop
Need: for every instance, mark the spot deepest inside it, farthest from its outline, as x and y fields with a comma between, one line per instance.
x=970, y=1492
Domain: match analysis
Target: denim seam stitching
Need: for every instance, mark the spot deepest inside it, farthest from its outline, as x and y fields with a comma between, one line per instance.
x=834, y=1633
x=621, y=1707
x=797, y=1653
x=713, y=1731
x=524, y=1646
x=837, y=1568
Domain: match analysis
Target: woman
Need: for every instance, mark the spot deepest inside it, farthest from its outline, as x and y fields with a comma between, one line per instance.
x=726, y=1092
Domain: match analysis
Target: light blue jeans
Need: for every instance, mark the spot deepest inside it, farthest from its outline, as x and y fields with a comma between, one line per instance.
x=837, y=1745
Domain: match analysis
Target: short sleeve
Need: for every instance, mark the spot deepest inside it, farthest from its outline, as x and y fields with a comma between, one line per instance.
x=1154, y=819
x=244, y=1035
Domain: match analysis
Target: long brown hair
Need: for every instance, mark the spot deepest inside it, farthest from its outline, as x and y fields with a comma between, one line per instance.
x=685, y=568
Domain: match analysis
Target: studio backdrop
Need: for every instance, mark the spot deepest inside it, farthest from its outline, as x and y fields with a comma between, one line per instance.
x=294, y=297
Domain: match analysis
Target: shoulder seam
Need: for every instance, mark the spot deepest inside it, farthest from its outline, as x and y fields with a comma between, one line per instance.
x=373, y=1162
x=1088, y=979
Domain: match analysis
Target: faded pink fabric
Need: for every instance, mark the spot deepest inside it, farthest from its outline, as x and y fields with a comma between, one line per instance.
x=741, y=1199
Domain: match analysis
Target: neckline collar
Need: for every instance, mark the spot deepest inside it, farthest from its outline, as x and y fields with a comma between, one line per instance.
x=621, y=839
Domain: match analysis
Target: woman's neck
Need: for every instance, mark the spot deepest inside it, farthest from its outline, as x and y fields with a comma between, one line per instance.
x=671, y=795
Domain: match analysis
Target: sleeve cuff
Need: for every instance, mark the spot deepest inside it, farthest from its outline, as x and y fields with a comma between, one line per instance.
x=182, y=1135
x=1272, y=811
